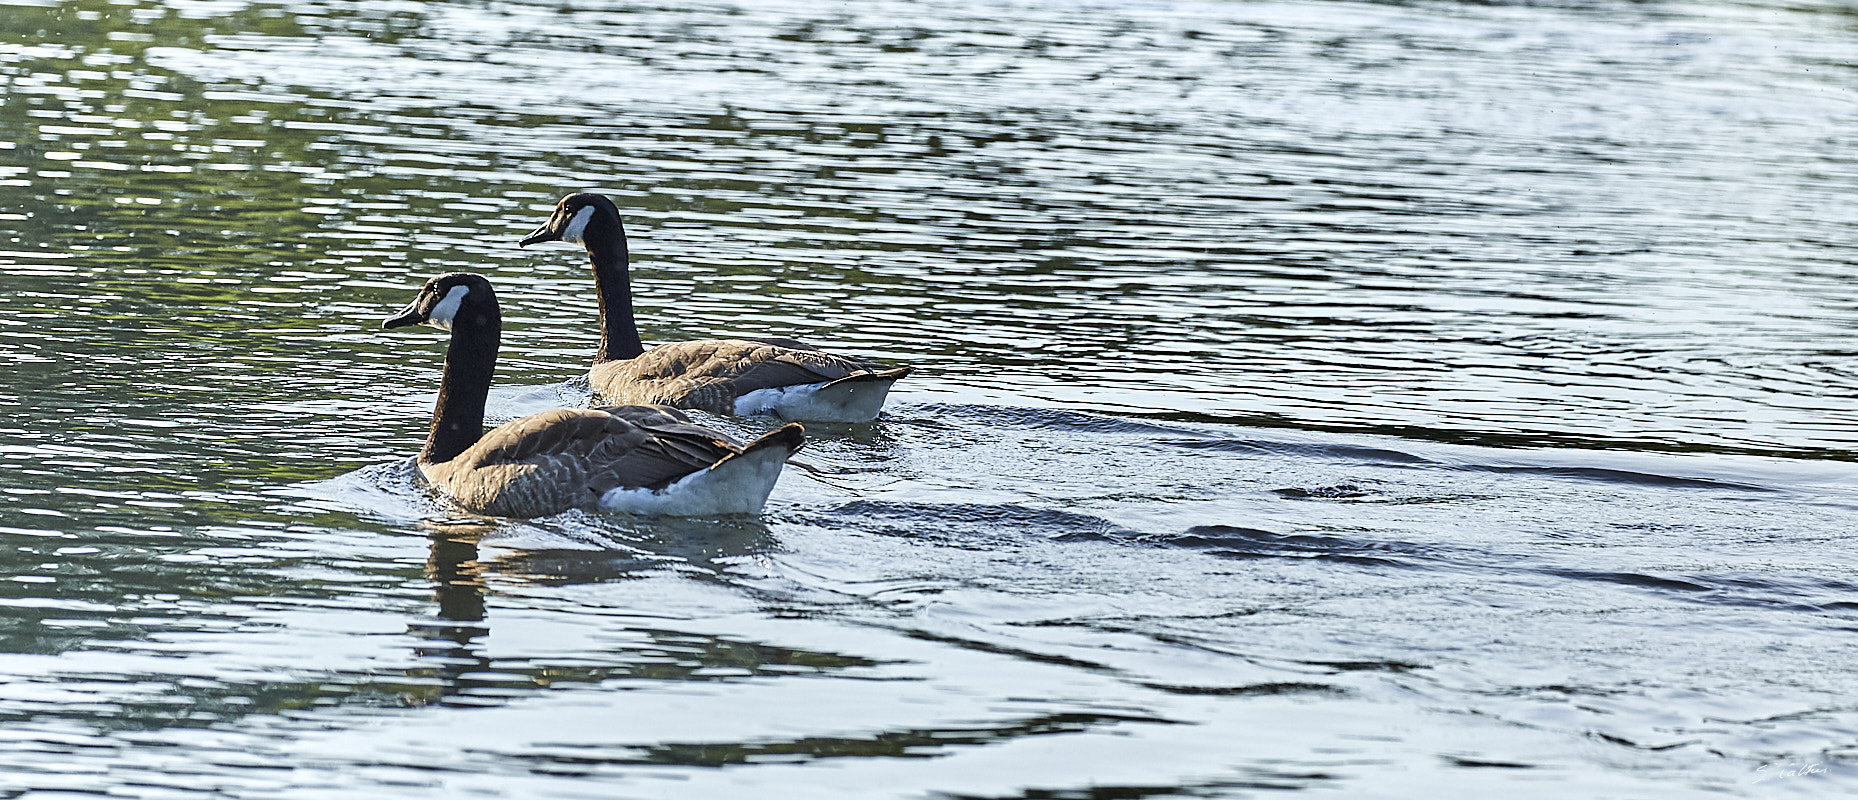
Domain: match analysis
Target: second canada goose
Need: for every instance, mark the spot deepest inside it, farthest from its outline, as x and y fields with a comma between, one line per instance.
x=640, y=458
x=783, y=377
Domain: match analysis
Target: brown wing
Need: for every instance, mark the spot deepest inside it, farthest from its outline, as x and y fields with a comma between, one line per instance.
x=796, y=344
x=711, y=373
x=569, y=457
x=778, y=341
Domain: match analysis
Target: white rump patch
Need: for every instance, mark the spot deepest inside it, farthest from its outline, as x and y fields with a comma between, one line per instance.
x=857, y=401
x=577, y=226
x=447, y=309
x=763, y=401
x=739, y=486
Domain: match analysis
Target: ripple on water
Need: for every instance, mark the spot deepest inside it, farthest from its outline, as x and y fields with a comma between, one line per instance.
x=1310, y=398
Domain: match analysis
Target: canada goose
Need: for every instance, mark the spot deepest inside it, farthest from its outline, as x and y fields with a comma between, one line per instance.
x=639, y=458
x=786, y=378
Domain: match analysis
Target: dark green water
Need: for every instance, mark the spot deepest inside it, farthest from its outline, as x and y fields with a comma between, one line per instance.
x=1367, y=400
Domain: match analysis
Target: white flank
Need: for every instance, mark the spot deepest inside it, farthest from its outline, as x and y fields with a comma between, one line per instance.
x=739, y=486
x=857, y=401
x=763, y=401
x=577, y=226
x=442, y=314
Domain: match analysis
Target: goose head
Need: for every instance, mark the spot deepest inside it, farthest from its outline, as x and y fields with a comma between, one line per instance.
x=579, y=218
x=444, y=298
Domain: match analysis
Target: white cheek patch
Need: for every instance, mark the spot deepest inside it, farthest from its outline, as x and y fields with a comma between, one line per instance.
x=577, y=226
x=442, y=314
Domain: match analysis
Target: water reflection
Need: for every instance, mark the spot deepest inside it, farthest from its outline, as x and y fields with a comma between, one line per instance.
x=458, y=587
x=462, y=577
x=1364, y=258
x=466, y=676
x=615, y=547
x=1320, y=395
x=451, y=661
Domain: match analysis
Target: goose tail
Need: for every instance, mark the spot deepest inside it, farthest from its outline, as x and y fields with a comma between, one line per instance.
x=738, y=483
x=854, y=398
x=788, y=439
x=886, y=376
x=744, y=480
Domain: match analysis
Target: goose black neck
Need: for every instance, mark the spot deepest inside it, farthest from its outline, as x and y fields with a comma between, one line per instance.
x=606, y=247
x=458, y=418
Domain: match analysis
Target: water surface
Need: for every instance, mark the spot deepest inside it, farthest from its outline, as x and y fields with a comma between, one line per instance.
x=1338, y=398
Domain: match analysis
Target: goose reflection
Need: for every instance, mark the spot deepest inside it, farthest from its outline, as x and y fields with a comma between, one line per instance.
x=468, y=558
x=449, y=650
x=580, y=548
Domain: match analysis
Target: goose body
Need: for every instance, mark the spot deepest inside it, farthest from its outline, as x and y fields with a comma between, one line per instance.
x=746, y=376
x=640, y=458
x=782, y=377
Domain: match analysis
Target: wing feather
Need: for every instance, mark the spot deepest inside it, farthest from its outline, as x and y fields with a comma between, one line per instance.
x=710, y=374
x=569, y=457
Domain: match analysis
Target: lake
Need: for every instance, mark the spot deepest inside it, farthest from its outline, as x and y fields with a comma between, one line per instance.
x=1417, y=399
